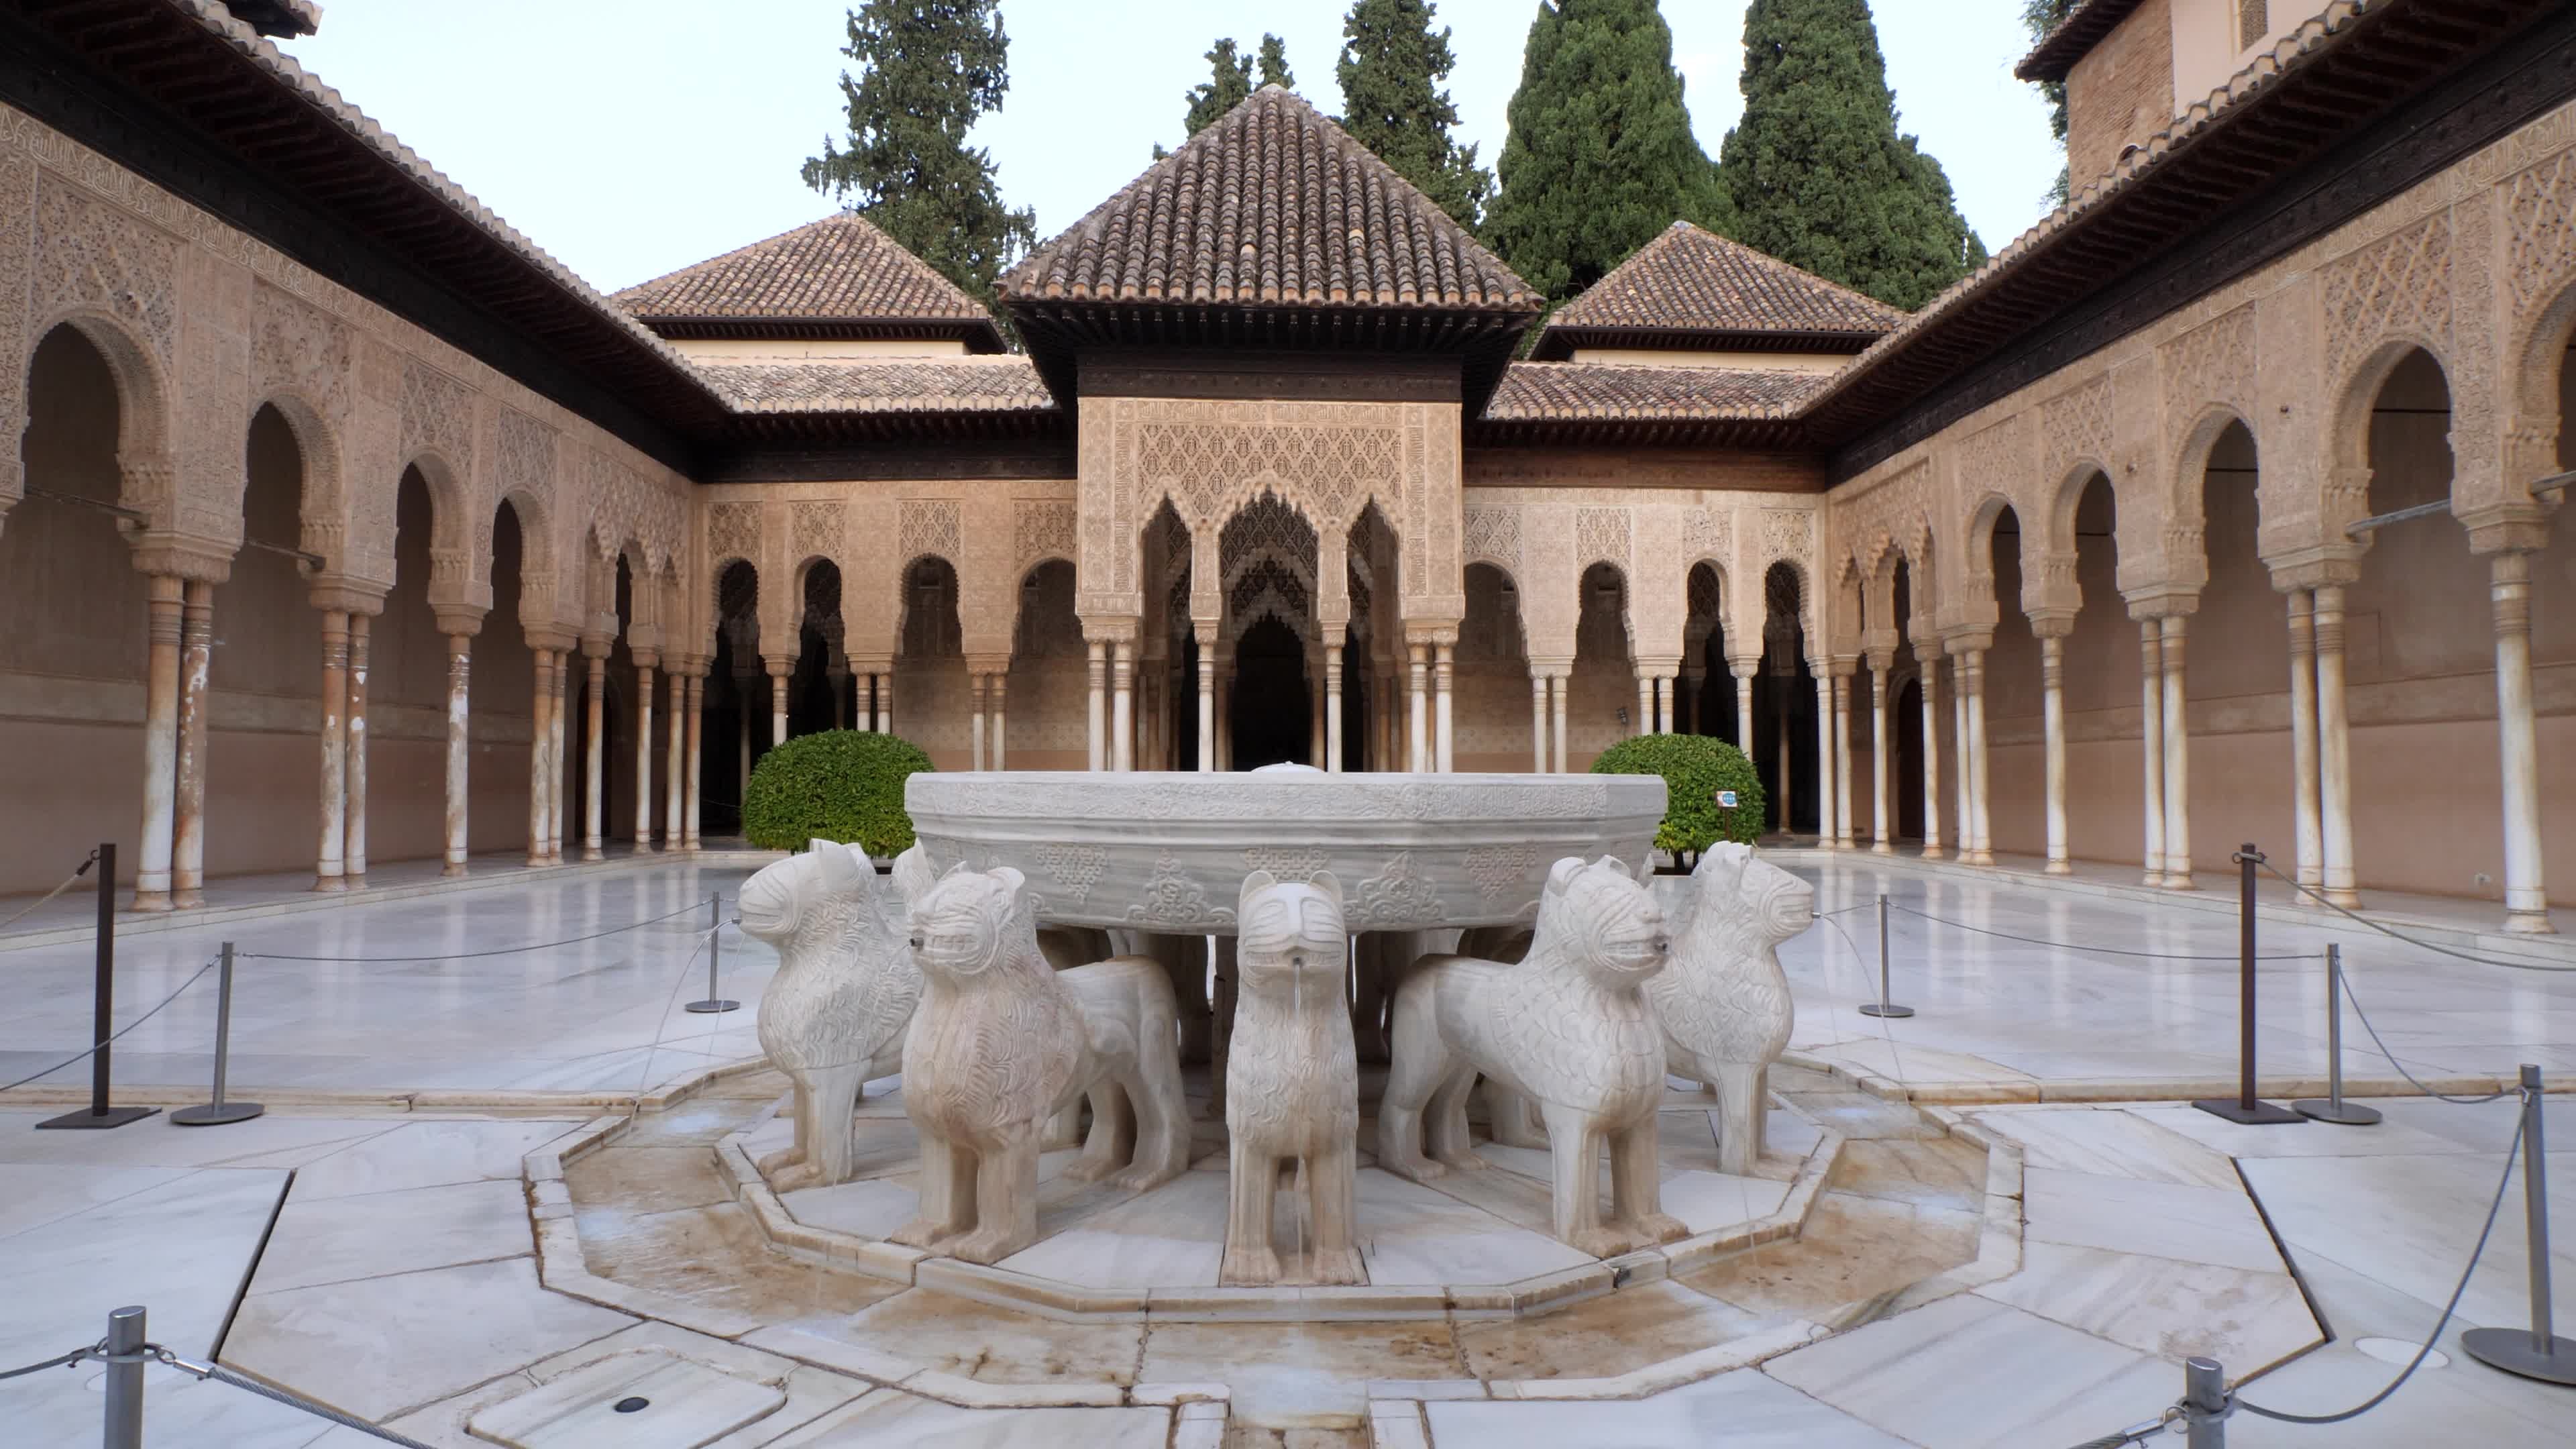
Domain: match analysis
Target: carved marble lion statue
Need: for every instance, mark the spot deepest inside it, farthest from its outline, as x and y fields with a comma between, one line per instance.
x=1001, y=1042
x=1568, y=1028
x=1292, y=1080
x=835, y=1013
x=1723, y=1001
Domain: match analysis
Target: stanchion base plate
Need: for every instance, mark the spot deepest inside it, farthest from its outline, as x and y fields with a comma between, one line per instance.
x=1873, y=1008
x=2511, y=1349
x=211, y=1115
x=2261, y=1114
x=2318, y=1109
x=112, y=1117
x=707, y=1008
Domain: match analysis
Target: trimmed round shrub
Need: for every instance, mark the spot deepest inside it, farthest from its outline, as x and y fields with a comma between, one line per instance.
x=1695, y=768
x=843, y=785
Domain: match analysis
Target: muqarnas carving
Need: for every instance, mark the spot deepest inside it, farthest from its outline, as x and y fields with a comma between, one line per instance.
x=1568, y=1028
x=834, y=1015
x=1722, y=1001
x=1001, y=1042
x=1292, y=1078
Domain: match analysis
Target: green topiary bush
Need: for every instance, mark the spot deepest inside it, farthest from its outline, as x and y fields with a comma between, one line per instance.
x=841, y=785
x=1695, y=768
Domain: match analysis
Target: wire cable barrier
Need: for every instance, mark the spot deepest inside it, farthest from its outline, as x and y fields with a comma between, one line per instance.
x=2095, y=950
x=2410, y=940
x=85, y=1053
x=48, y=897
x=2364, y=1017
x=155, y=1353
x=470, y=955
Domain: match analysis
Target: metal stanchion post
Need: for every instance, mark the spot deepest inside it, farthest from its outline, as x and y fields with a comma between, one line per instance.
x=99, y=1113
x=219, y=1111
x=2333, y=1108
x=1882, y=1006
x=2539, y=1354
x=125, y=1342
x=2244, y=1108
x=2204, y=1403
x=715, y=936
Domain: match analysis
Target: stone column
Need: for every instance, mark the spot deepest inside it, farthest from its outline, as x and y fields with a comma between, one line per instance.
x=1333, y=708
x=1098, y=707
x=1882, y=820
x=2526, y=895
x=2052, y=713
x=1824, y=678
x=1207, y=700
x=693, y=813
x=188, y=831
x=1928, y=660
x=1744, y=672
x=645, y=660
x=1122, y=703
x=885, y=701
x=353, y=792
x=779, y=672
x=330, y=869
x=1556, y=684
x=164, y=597
x=1842, y=760
x=1443, y=673
x=974, y=720
x=1538, y=720
x=1417, y=717
x=460, y=746
x=1980, y=798
x=559, y=757
x=1645, y=702
x=2309, y=831
x=1001, y=680
x=675, y=759
x=1963, y=806
x=2177, y=763
x=594, y=750
x=2151, y=743
x=1665, y=723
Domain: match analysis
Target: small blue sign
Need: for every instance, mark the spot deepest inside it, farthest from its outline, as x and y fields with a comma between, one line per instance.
x=1725, y=799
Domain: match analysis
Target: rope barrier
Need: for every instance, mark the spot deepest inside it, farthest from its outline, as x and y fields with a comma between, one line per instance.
x=466, y=955
x=88, y=1051
x=2401, y=1067
x=48, y=897
x=2410, y=940
x=2094, y=950
x=64, y=1361
x=222, y=1375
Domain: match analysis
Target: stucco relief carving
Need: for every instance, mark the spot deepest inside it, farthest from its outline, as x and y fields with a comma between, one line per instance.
x=1494, y=537
x=733, y=532
x=1601, y=535
x=1789, y=534
x=93, y=256
x=817, y=529
x=1214, y=471
x=2540, y=231
x=929, y=526
x=2213, y=362
x=2398, y=286
x=1042, y=529
x=2075, y=424
x=1708, y=535
x=437, y=416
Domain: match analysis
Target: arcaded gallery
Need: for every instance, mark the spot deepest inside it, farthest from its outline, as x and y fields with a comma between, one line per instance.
x=1406, y=806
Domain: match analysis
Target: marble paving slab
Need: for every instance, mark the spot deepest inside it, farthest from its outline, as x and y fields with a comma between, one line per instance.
x=2115, y=1143
x=1171, y=1236
x=675, y=1403
x=1606, y=1336
x=2161, y=1219
x=369, y=1236
x=1411, y=1234
x=926, y=1329
x=2162, y=1308
x=893, y=1419
x=1301, y=1375
x=1743, y=1409
x=427, y=1154
x=180, y=1247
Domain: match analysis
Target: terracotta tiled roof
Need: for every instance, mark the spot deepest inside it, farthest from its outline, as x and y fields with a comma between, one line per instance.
x=1272, y=205
x=841, y=270
x=1582, y=391
x=1691, y=281
x=2077, y=34
x=887, y=385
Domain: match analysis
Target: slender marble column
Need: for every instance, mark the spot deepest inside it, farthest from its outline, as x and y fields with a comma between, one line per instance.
x=1930, y=664
x=885, y=703
x=2177, y=763
x=1333, y=709
x=1744, y=674
x=594, y=758
x=1122, y=703
x=1825, y=836
x=1539, y=722
x=1645, y=702
x=2052, y=713
x=164, y=596
x=353, y=844
x=778, y=676
x=975, y=720
x=559, y=758
x=1963, y=806
x=2151, y=743
x=1664, y=721
x=1099, y=705
x=2309, y=830
x=1556, y=683
x=644, y=754
x=675, y=762
x=1000, y=680
x=1443, y=672
x=1842, y=764
x=330, y=869
x=1882, y=822
x=1207, y=704
x=460, y=749
x=2526, y=895
x=1981, y=798
x=188, y=838
x=1417, y=718
x=693, y=814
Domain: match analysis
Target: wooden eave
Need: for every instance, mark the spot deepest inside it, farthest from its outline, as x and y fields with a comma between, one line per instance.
x=1558, y=343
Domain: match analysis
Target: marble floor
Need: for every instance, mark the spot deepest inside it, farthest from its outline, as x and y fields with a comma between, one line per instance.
x=372, y=1242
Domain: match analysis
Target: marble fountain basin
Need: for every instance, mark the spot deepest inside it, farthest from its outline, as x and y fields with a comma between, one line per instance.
x=1167, y=852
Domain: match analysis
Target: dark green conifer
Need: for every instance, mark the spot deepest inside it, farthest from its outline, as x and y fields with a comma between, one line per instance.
x=1390, y=70
x=2041, y=17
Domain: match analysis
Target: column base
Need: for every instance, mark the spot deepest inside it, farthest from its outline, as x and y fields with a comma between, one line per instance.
x=2179, y=882
x=2153, y=878
x=1932, y=852
x=1882, y=848
x=537, y=860
x=2057, y=867
x=2529, y=923
x=191, y=900
x=330, y=884
x=593, y=852
x=1981, y=857
x=149, y=902
x=452, y=870
x=2347, y=898
x=355, y=881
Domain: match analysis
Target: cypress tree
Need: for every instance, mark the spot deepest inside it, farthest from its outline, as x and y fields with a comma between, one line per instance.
x=1229, y=82
x=1819, y=176
x=927, y=70
x=1390, y=71
x=2041, y=18
x=1274, y=64
x=1600, y=156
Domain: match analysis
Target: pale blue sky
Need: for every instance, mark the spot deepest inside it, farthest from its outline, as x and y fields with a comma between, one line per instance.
x=634, y=138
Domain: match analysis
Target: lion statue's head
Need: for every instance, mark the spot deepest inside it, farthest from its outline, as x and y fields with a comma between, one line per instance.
x=821, y=896
x=1291, y=928
x=1750, y=896
x=1599, y=919
x=972, y=922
